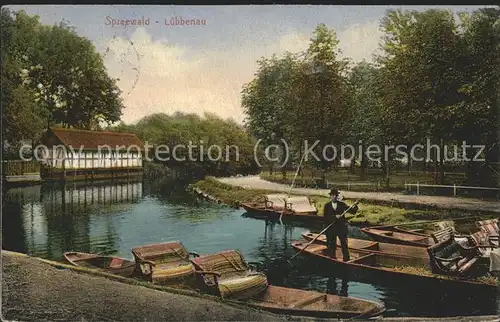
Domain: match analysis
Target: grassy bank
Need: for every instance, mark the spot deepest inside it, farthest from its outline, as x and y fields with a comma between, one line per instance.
x=368, y=213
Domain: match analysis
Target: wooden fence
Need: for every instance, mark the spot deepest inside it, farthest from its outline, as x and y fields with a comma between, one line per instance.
x=454, y=187
x=20, y=167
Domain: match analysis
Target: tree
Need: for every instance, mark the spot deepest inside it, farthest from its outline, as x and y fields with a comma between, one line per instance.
x=70, y=79
x=22, y=119
x=366, y=127
x=322, y=98
x=267, y=99
x=421, y=77
x=480, y=83
x=51, y=76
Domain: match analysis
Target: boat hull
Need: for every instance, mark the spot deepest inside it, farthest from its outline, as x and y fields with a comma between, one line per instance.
x=385, y=265
x=99, y=262
x=374, y=246
x=276, y=214
x=283, y=300
x=397, y=236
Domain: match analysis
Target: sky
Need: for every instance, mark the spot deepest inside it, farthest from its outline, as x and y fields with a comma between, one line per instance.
x=202, y=68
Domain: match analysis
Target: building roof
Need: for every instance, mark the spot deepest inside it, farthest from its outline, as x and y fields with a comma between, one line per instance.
x=92, y=140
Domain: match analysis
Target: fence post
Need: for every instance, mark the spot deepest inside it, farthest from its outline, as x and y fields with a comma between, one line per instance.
x=454, y=189
x=418, y=189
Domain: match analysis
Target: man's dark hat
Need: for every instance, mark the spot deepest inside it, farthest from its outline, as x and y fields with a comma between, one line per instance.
x=334, y=192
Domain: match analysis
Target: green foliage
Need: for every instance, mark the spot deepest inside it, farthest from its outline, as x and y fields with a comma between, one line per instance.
x=236, y=145
x=50, y=76
x=437, y=78
x=22, y=120
x=266, y=99
x=295, y=98
x=322, y=97
x=228, y=194
x=421, y=74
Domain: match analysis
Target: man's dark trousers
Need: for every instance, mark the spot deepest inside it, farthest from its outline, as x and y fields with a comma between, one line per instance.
x=332, y=233
x=338, y=229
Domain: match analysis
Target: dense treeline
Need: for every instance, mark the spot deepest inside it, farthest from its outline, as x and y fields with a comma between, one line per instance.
x=437, y=79
x=197, y=145
x=50, y=77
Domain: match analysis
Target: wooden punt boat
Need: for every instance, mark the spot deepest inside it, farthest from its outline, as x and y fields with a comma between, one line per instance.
x=288, y=215
x=108, y=264
x=283, y=300
x=399, y=236
x=274, y=206
x=228, y=275
x=374, y=246
x=392, y=266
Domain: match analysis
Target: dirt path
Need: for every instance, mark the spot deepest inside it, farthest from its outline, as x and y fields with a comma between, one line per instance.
x=467, y=204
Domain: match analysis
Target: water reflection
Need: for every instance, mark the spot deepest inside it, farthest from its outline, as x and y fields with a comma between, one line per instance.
x=49, y=220
x=333, y=286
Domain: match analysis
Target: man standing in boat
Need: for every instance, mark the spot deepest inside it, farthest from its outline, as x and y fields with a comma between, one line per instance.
x=332, y=212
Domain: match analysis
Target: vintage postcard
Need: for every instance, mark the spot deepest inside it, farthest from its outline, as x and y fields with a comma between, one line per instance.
x=250, y=162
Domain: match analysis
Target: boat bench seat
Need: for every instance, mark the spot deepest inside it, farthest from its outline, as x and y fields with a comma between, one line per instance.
x=227, y=274
x=164, y=261
x=171, y=270
x=443, y=234
x=480, y=239
x=116, y=263
x=450, y=258
x=490, y=227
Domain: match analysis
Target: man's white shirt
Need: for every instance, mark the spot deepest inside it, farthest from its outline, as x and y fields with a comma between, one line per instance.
x=334, y=206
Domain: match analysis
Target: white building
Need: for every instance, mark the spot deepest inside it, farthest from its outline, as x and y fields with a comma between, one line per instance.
x=72, y=149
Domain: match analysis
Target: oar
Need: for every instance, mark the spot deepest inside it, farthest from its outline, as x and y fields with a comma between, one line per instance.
x=314, y=239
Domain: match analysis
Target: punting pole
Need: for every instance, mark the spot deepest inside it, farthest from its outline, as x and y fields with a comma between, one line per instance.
x=291, y=186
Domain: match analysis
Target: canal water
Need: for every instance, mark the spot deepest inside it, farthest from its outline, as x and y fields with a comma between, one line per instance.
x=113, y=217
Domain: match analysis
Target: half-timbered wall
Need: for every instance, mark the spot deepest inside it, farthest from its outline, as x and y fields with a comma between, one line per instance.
x=94, y=159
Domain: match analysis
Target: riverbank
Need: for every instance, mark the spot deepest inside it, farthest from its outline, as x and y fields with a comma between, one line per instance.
x=370, y=212
x=34, y=291
x=394, y=199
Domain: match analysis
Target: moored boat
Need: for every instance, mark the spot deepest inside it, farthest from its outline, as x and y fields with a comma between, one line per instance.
x=374, y=246
x=108, y=264
x=284, y=300
x=399, y=236
x=276, y=206
x=396, y=266
x=167, y=262
x=228, y=275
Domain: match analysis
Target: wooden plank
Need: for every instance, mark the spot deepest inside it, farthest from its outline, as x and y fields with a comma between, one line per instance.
x=316, y=248
x=467, y=265
x=308, y=300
